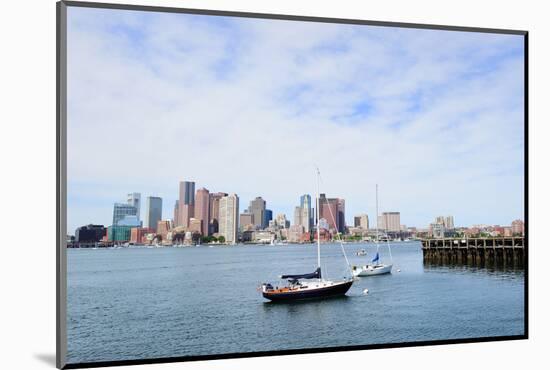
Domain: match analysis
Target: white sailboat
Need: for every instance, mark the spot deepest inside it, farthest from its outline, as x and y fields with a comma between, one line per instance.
x=375, y=268
x=311, y=285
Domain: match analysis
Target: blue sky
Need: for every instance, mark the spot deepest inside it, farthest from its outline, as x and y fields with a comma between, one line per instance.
x=251, y=106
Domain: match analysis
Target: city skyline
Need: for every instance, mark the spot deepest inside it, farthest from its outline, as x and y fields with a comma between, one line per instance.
x=437, y=127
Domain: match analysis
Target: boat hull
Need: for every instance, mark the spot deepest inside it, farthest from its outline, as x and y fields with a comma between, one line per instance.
x=373, y=270
x=334, y=290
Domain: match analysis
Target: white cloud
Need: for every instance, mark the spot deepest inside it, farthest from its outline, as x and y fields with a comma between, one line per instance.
x=249, y=106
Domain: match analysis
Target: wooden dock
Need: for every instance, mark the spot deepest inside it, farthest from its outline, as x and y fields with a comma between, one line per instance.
x=478, y=251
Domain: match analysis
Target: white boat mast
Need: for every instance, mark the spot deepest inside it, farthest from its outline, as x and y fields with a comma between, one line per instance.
x=318, y=228
x=377, y=214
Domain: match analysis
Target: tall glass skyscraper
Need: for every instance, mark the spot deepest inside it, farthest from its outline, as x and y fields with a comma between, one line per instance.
x=153, y=212
x=134, y=199
x=186, y=203
x=121, y=210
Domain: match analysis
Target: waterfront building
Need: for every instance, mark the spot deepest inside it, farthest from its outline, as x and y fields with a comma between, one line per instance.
x=214, y=211
x=116, y=233
x=361, y=221
x=257, y=208
x=229, y=218
x=89, y=233
x=202, y=209
x=295, y=234
x=518, y=227
x=390, y=221
x=120, y=210
x=262, y=236
x=134, y=200
x=138, y=235
x=437, y=230
x=153, y=212
x=324, y=233
x=195, y=225
x=246, y=221
x=163, y=227
x=186, y=203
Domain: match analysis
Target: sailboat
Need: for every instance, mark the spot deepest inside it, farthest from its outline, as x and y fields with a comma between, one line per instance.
x=310, y=285
x=375, y=268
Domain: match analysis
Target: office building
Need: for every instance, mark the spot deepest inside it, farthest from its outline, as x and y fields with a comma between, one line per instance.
x=215, y=211
x=257, y=208
x=117, y=233
x=129, y=220
x=246, y=221
x=138, y=235
x=186, y=203
x=389, y=221
x=229, y=218
x=153, y=212
x=120, y=210
x=307, y=212
x=361, y=221
x=89, y=233
x=268, y=216
x=202, y=209
x=328, y=210
x=163, y=227
x=134, y=200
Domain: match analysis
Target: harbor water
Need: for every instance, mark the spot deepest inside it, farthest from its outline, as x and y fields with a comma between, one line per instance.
x=139, y=303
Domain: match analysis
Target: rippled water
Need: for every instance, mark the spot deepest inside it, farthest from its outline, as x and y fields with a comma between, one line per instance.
x=137, y=303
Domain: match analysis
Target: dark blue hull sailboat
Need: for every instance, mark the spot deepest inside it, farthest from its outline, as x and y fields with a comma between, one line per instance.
x=308, y=286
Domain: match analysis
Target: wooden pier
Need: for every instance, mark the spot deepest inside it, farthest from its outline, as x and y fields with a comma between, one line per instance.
x=507, y=251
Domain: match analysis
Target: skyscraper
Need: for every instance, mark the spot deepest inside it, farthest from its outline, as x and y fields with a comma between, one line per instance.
x=341, y=209
x=176, y=211
x=134, y=199
x=257, y=208
x=202, y=209
x=268, y=216
x=215, y=211
x=186, y=203
x=298, y=216
x=153, y=212
x=229, y=218
x=328, y=209
x=120, y=210
x=449, y=222
x=307, y=213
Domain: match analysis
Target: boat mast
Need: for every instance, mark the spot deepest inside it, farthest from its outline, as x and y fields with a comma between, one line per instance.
x=318, y=228
x=377, y=214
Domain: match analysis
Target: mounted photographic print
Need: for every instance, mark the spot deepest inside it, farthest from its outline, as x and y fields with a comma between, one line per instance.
x=237, y=184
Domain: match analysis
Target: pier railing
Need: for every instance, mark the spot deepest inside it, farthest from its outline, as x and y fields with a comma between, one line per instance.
x=480, y=251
